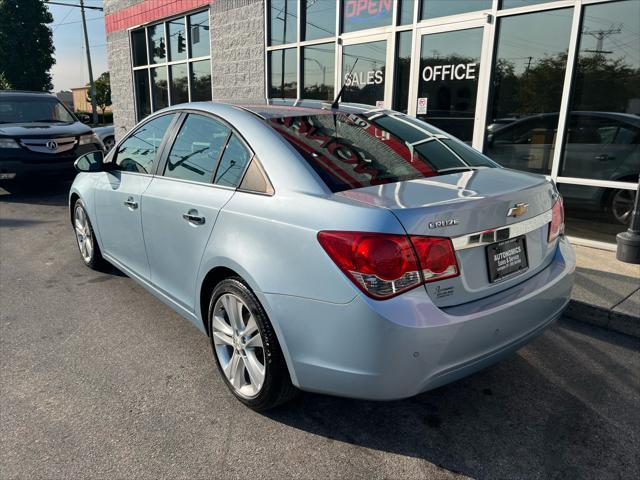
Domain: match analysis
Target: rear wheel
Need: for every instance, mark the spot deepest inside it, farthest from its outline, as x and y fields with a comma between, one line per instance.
x=621, y=205
x=245, y=347
x=87, y=244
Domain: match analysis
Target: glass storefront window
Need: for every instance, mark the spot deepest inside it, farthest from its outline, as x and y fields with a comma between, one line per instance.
x=283, y=15
x=139, y=47
x=143, y=103
x=319, y=19
x=448, y=80
x=199, y=34
x=157, y=46
x=179, y=83
x=283, y=74
x=403, y=72
x=603, y=129
x=528, y=79
x=200, y=81
x=366, y=83
x=177, y=40
x=159, y=90
x=318, y=71
x=364, y=14
x=596, y=213
x=405, y=11
x=441, y=8
x=520, y=3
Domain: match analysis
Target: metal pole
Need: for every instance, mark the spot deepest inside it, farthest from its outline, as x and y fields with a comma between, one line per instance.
x=92, y=91
x=629, y=242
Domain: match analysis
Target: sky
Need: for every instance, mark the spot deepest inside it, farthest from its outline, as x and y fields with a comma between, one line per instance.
x=70, y=69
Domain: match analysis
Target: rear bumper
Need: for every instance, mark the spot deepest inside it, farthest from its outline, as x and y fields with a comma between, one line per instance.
x=400, y=347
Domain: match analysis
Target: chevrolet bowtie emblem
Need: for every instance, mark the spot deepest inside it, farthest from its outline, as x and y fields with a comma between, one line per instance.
x=518, y=210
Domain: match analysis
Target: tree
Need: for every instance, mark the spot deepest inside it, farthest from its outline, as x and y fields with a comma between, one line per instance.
x=26, y=45
x=102, y=87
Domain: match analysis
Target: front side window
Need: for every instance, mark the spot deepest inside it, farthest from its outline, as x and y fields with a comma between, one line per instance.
x=355, y=150
x=176, y=69
x=138, y=152
x=233, y=162
x=195, y=152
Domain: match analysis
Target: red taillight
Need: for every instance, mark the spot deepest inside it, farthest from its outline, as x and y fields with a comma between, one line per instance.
x=556, y=227
x=384, y=265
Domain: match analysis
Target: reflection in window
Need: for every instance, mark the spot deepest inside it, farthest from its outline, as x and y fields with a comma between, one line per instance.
x=200, y=81
x=233, y=162
x=179, y=83
x=520, y=3
x=283, y=16
x=441, y=8
x=527, y=89
x=319, y=19
x=139, y=45
x=138, y=151
x=196, y=150
x=282, y=78
x=177, y=39
x=318, y=71
x=603, y=129
x=403, y=72
x=363, y=14
x=159, y=91
x=448, y=80
x=405, y=11
x=199, y=34
x=596, y=213
x=143, y=103
x=157, y=46
x=366, y=83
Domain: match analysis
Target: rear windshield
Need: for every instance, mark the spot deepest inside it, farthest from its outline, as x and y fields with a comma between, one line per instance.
x=33, y=109
x=357, y=150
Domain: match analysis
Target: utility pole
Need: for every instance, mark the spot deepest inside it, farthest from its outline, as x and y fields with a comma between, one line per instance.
x=600, y=35
x=92, y=91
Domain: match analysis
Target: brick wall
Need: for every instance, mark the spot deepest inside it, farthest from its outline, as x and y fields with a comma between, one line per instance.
x=237, y=49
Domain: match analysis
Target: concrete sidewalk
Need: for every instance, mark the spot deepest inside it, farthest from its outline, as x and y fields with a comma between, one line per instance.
x=606, y=292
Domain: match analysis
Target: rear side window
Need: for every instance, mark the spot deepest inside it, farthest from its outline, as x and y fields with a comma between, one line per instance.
x=195, y=152
x=360, y=150
x=138, y=151
x=233, y=163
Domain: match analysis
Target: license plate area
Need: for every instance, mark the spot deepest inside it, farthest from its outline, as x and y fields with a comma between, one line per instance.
x=507, y=258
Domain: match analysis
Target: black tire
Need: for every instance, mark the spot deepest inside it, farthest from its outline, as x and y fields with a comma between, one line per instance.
x=95, y=260
x=277, y=387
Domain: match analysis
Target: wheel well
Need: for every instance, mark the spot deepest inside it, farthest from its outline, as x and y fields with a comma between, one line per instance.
x=72, y=202
x=210, y=281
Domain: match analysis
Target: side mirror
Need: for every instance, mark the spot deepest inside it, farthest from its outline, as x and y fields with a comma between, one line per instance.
x=84, y=118
x=90, y=162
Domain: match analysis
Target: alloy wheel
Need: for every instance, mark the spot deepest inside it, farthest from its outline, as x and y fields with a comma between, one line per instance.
x=83, y=233
x=622, y=205
x=238, y=345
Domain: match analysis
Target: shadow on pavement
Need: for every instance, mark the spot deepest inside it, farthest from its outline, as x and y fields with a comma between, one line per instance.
x=538, y=414
x=37, y=190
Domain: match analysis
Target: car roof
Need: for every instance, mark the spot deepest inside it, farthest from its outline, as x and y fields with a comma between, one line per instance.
x=24, y=93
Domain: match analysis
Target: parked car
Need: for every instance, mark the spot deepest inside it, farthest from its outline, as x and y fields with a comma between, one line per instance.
x=353, y=251
x=38, y=134
x=106, y=135
x=600, y=145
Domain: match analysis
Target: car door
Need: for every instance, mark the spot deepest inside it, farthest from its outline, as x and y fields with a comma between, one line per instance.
x=199, y=175
x=118, y=195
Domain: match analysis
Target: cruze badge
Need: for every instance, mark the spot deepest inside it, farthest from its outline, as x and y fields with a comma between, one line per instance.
x=443, y=223
x=518, y=210
x=51, y=145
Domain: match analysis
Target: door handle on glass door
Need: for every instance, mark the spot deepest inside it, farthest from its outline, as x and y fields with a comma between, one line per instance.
x=192, y=217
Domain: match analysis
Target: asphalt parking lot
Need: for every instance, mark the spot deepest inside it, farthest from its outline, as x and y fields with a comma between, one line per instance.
x=100, y=380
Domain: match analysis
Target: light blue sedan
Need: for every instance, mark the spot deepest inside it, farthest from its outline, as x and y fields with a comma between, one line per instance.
x=352, y=251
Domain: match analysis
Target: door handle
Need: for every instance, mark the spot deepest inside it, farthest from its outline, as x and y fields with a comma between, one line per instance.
x=192, y=217
x=604, y=157
x=131, y=203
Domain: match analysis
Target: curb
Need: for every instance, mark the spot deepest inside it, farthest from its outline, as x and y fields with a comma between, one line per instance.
x=603, y=317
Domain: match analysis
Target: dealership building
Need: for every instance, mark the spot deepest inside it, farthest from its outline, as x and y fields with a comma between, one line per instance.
x=549, y=87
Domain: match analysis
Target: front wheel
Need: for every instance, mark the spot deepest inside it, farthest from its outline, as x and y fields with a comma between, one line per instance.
x=245, y=347
x=621, y=205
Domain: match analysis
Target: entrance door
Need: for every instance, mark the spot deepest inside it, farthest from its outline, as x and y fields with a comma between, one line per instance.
x=447, y=80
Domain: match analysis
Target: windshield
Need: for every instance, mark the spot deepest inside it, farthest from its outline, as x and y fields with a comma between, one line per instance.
x=33, y=109
x=357, y=150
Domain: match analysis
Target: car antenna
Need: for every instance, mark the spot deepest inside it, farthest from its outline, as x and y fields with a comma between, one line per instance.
x=335, y=102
